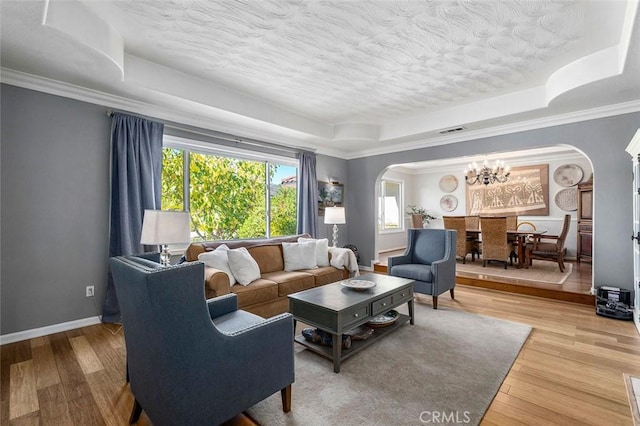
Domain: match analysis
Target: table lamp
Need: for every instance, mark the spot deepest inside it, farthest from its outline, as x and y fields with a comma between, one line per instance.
x=334, y=216
x=163, y=227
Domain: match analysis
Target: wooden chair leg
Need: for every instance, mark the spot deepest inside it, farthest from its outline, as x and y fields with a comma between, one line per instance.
x=435, y=302
x=451, y=293
x=135, y=412
x=561, y=263
x=285, y=393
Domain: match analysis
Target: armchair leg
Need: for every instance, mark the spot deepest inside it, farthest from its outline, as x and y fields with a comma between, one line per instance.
x=135, y=412
x=435, y=302
x=451, y=293
x=286, y=399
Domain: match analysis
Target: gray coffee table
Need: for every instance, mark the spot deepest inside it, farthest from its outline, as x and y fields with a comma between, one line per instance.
x=337, y=309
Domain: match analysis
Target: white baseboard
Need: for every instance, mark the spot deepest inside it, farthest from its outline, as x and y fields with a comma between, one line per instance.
x=50, y=329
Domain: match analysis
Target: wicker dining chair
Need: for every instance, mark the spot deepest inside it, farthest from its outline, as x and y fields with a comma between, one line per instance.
x=512, y=224
x=472, y=222
x=495, y=246
x=464, y=244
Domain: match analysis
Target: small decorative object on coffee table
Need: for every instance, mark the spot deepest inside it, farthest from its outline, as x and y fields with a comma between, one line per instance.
x=359, y=285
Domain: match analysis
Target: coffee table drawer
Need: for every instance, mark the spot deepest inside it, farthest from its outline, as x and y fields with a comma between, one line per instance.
x=382, y=305
x=355, y=314
x=402, y=295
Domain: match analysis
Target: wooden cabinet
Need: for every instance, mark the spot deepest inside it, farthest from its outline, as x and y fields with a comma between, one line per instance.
x=585, y=220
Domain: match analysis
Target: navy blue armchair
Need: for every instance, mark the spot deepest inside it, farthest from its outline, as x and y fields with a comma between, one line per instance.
x=191, y=360
x=430, y=260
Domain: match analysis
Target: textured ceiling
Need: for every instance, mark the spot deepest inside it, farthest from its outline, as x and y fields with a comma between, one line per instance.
x=343, y=77
x=359, y=61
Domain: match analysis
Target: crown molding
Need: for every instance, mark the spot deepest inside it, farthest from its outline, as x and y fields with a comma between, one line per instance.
x=522, y=126
x=67, y=90
x=436, y=166
x=110, y=101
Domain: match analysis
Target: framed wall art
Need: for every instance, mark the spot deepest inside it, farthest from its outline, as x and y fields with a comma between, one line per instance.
x=525, y=193
x=329, y=195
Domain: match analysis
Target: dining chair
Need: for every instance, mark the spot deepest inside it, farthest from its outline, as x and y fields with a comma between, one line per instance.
x=464, y=244
x=472, y=222
x=495, y=246
x=512, y=225
x=549, y=247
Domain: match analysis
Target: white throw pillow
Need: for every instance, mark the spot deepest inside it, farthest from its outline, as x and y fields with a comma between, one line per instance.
x=218, y=259
x=322, y=250
x=243, y=266
x=299, y=256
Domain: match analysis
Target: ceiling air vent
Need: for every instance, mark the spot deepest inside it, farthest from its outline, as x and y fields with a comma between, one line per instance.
x=451, y=130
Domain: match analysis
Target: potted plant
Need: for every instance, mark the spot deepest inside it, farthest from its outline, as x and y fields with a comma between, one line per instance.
x=420, y=216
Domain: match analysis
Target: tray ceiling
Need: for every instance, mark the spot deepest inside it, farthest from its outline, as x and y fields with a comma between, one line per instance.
x=344, y=77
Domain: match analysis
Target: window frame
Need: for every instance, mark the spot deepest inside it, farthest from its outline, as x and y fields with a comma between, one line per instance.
x=401, y=210
x=189, y=146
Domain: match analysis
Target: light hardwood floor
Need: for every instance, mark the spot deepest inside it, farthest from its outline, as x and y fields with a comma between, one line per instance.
x=570, y=370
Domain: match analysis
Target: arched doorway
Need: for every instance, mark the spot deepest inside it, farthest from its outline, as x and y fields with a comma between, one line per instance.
x=439, y=187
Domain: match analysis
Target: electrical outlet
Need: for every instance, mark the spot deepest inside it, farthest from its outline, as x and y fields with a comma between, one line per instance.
x=89, y=291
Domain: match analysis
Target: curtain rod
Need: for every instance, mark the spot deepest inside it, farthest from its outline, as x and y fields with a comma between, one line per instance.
x=236, y=139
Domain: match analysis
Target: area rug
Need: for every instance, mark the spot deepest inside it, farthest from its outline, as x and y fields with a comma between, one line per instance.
x=445, y=369
x=539, y=272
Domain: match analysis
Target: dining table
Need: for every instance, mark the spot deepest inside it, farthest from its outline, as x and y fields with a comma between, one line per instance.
x=521, y=236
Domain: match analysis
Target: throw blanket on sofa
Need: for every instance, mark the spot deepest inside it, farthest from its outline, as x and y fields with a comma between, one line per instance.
x=344, y=258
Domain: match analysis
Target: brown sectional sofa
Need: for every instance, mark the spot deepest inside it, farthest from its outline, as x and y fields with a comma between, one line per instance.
x=266, y=296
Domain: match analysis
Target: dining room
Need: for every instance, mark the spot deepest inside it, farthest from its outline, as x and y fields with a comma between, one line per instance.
x=541, y=193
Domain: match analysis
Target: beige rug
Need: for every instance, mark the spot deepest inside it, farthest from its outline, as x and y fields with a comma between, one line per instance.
x=541, y=271
x=445, y=369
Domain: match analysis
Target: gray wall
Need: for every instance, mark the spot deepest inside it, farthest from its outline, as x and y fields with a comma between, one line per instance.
x=336, y=168
x=602, y=140
x=55, y=208
x=55, y=200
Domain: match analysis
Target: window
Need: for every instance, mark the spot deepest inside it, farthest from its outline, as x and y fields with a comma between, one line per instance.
x=229, y=196
x=390, y=206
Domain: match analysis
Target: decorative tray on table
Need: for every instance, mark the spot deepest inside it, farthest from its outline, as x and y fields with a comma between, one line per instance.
x=359, y=284
x=383, y=320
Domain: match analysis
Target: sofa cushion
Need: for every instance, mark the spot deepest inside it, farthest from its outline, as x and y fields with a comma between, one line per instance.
x=258, y=291
x=243, y=266
x=322, y=250
x=268, y=257
x=218, y=259
x=290, y=282
x=325, y=275
x=299, y=255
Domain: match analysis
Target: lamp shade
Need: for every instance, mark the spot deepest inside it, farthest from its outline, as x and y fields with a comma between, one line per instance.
x=334, y=215
x=165, y=227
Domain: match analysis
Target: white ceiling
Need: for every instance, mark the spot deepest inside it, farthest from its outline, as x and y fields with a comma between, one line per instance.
x=347, y=78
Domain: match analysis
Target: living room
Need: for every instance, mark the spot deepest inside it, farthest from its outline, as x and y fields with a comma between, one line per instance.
x=56, y=181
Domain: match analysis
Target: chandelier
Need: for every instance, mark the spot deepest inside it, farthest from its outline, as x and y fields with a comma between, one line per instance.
x=485, y=175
